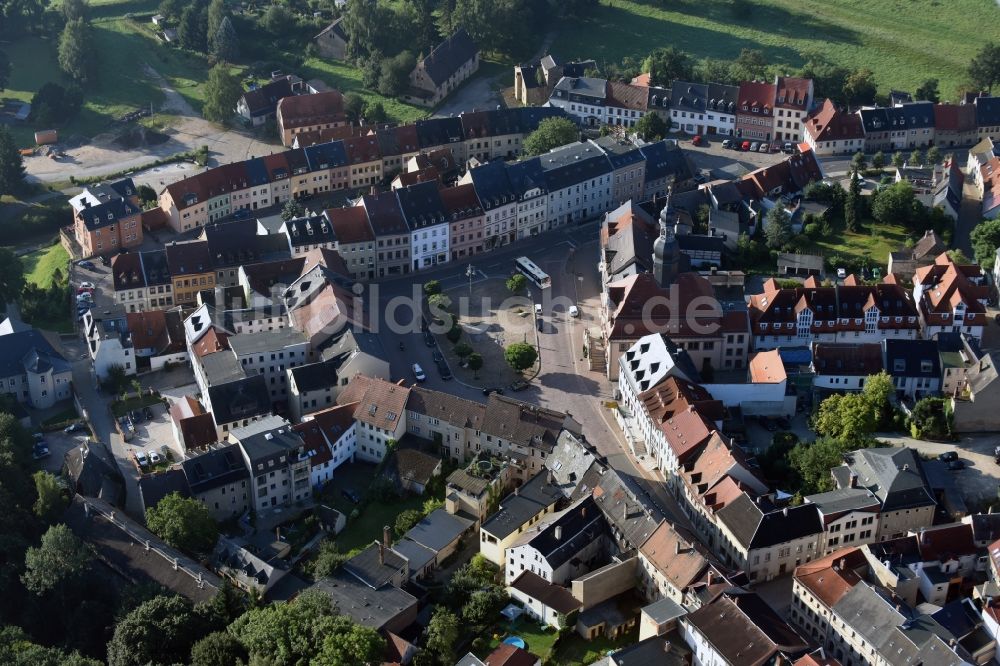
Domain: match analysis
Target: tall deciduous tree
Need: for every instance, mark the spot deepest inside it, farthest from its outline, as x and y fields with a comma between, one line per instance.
x=5, y=69
x=442, y=635
x=50, y=502
x=74, y=9
x=222, y=91
x=59, y=559
x=520, y=356
x=668, y=63
x=395, y=72
x=217, y=649
x=984, y=70
x=651, y=127
x=215, y=13
x=551, y=133
x=928, y=91
x=985, y=241
x=11, y=163
x=860, y=87
x=159, y=631
x=751, y=65
x=192, y=29
x=778, y=228
x=852, y=203
x=893, y=204
x=76, y=51
x=184, y=523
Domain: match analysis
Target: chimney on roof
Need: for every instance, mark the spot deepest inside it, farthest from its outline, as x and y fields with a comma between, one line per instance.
x=625, y=511
x=558, y=532
x=381, y=553
x=517, y=490
x=854, y=480
x=677, y=548
x=386, y=536
x=784, y=512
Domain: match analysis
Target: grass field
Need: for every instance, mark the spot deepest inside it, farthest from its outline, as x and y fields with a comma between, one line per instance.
x=873, y=242
x=902, y=41
x=40, y=266
x=347, y=78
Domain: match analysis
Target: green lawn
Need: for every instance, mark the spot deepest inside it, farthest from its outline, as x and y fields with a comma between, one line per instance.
x=34, y=223
x=902, y=41
x=538, y=639
x=40, y=266
x=347, y=78
x=874, y=242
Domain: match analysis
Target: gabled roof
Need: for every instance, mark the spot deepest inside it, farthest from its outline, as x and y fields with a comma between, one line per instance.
x=756, y=95
x=263, y=100
x=214, y=469
x=422, y=205
x=855, y=360
x=29, y=351
x=552, y=596
x=350, y=225
x=245, y=398
x=792, y=92
x=828, y=123
x=380, y=403
x=559, y=537
x=384, y=214
x=448, y=56
x=895, y=475
x=912, y=358
x=376, y=565
x=830, y=578
x=301, y=110
x=438, y=530
x=688, y=96
x=189, y=258
x=758, y=524
x=679, y=560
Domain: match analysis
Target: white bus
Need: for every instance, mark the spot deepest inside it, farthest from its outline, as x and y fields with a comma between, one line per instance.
x=533, y=272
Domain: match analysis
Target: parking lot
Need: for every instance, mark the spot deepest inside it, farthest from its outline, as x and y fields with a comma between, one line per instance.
x=155, y=436
x=59, y=444
x=979, y=480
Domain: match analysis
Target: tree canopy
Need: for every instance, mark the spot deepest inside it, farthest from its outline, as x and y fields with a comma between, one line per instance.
x=520, y=356
x=184, y=523
x=76, y=51
x=984, y=70
x=60, y=558
x=778, y=227
x=668, y=63
x=11, y=163
x=159, y=631
x=551, y=133
x=651, y=127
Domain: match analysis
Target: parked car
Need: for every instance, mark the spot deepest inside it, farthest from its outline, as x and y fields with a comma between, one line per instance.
x=492, y=390
x=155, y=458
x=140, y=457
x=519, y=385
x=727, y=143
x=85, y=297
x=148, y=413
x=745, y=145
x=697, y=140
x=40, y=450
x=764, y=147
x=574, y=311
x=948, y=456
x=437, y=356
x=444, y=370
x=351, y=496
x=956, y=465
x=754, y=146
x=538, y=309
x=73, y=427
x=88, y=265
x=789, y=147
x=87, y=285
x=429, y=339
x=418, y=373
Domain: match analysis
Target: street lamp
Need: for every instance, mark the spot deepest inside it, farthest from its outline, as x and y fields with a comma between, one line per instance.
x=470, y=271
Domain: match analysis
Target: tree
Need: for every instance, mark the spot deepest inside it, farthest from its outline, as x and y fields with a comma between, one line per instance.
x=462, y=350
x=225, y=42
x=53, y=103
x=475, y=362
x=985, y=241
x=16, y=648
x=217, y=649
x=5, y=69
x=474, y=575
x=76, y=51
x=517, y=283
x=897, y=159
x=551, y=133
x=916, y=158
x=778, y=228
x=814, y=460
x=984, y=70
x=520, y=356
x=222, y=91
x=858, y=161
x=11, y=164
x=442, y=635
x=878, y=160
x=59, y=559
x=395, y=73
x=51, y=502
x=213, y=17
x=751, y=65
x=438, y=304
x=375, y=112
x=349, y=644
x=192, y=29
x=651, y=127
x=668, y=63
x=893, y=204
x=852, y=204
x=184, y=523
x=859, y=87
x=928, y=91
x=278, y=20
x=159, y=631
x=354, y=106
x=432, y=287
x=957, y=256
x=73, y=10
x=418, y=17
x=852, y=417
x=931, y=419
x=933, y=155
x=484, y=605
x=406, y=520
x=171, y=8
x=328, y=559
x=371, y=70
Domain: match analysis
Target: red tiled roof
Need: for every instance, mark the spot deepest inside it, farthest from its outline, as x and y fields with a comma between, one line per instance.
x=510, y=655
x=362, y=149
x=350, y=225
x=794, y=91
x=302, y=110
x=213, y=341
x=675, y=557
x=945, y=285
x=766, y=368
x=830, y=578
x=627, y=96
x=148, y=329
x=759, y=94
x=197, y=427
x=954, y=117
x=380, y=403
x=830, y=124
x=845, y=359
x=632, y=317
x=461, y=201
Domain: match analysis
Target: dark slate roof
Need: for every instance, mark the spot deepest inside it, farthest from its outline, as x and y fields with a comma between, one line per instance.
x=155, y=268
x=842, y=500
x=987, y=111
x=875, y=120
x=449, y=56
x=541, y=489
x=236, y=247
x=422, y=205
x=581, y=524
x=218, y=467
x=189, y=257
x=242, y=399
x=572, y=164
x=326, y=155
x=762, y=525
x=28, y=349
x=107, y=213
x=722, y=98
x=591, y=90
x=526, y=175
x=367, y=568
x=257, y=172
x=268, y=439
x=893, y=474
x=912, y=358
x=653, y=650
x=368, y=607
x=664, y=160
x=263, y=100
x=438, y=530
x=914, y=115
x=438, y=131
x=626, y=508
x=700, y=243
x=493, y=187
x=315, y=376
x=154, y=487
x=92, y=475
x=312, y=230
x=556, y=597
x=384, y=214
x=620, y=153
x=693, y=97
